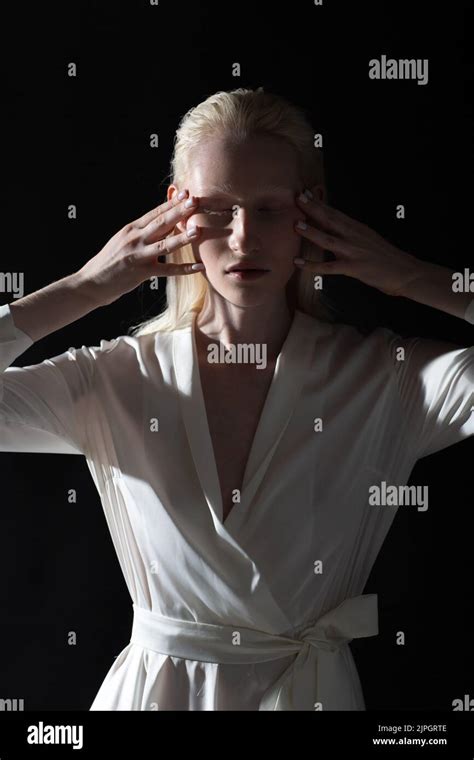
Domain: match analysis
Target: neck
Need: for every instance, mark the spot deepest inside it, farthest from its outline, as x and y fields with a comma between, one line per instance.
x=223, y=322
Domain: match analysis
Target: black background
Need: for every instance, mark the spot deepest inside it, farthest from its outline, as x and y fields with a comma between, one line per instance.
x=85, y=141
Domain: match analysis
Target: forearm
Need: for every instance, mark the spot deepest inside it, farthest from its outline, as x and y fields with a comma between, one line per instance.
x=54, y=306
x=432, y=285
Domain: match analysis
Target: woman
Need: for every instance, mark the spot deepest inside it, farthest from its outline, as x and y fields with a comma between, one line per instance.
x=237, y=440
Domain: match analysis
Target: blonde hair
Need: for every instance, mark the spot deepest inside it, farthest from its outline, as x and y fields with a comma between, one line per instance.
x=239, y=114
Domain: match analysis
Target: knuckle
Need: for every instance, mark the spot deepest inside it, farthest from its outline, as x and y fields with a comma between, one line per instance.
x=161, y=247
x=134, y=237
x=131, y=259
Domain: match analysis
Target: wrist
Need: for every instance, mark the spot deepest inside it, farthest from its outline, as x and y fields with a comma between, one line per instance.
x=86, y=289
x=413, y=271
x=432, y=285
x=418, y=275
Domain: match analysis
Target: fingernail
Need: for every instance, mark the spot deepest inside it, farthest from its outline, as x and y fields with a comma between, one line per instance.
x=191, y=232
x=197, y=266
x=190, y=202
x=302, y=225
x=298, y=260
x=182, y=195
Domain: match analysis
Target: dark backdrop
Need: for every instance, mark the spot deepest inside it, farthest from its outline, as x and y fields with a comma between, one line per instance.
x=84, y=141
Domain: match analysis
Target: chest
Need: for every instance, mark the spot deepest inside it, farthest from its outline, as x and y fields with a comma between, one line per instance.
x=234, y=403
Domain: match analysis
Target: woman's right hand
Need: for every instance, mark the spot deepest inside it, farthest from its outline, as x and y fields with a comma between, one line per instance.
x=131, y=256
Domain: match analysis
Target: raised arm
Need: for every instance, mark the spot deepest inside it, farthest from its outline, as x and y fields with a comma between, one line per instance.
x=362, y=253
x=45, y=407
x=129, y=258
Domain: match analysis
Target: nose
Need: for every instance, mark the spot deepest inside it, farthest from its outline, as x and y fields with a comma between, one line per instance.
x=244, y=236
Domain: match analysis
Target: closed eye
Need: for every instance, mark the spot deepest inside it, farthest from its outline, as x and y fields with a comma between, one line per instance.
x=229, y=211
x=209, y=211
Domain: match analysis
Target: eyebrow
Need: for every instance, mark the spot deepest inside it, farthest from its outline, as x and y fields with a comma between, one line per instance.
x=226, y=189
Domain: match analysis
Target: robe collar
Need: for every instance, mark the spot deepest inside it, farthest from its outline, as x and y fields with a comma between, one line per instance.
x=292, y=366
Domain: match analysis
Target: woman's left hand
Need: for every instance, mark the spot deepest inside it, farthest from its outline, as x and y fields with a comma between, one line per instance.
x=360, y=251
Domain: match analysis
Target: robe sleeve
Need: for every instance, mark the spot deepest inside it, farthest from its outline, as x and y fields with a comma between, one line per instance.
x=43, y=407
x=436, y=388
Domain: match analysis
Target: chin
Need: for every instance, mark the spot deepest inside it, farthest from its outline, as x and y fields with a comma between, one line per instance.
x=244, y=299
x=250, y=298
x=246, y=294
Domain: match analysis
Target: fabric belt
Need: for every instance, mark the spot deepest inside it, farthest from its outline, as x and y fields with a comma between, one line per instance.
x=316, y=645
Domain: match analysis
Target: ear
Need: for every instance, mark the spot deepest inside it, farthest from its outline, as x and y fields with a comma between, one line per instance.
x=172, y=190
x=319, y=192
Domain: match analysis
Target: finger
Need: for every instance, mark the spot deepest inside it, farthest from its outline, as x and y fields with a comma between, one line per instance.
x=174, y=270
x=167, y=214
x=142, y=221
x=332, y=219
x=326, y=241
x=164, y=223
x=168, y=244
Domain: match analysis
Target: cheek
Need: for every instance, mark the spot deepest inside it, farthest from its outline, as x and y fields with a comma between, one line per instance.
x=287, y=242
x=286, y=226
x=205, y=252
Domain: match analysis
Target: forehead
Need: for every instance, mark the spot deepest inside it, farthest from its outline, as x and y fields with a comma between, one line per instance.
x=254, y=167
x=228, y=189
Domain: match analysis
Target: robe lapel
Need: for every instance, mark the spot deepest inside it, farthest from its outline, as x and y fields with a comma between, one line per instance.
x=291, y=369
x=194, y=415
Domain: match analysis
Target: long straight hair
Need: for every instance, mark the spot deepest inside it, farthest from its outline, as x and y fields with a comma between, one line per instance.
x=239, y=113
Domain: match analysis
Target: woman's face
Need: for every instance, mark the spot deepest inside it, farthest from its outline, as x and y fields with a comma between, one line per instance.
x=247, y=213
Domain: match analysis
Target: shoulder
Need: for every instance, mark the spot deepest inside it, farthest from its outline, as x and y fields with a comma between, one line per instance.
x=124, y=351
x=346, y=344
x=387, y=355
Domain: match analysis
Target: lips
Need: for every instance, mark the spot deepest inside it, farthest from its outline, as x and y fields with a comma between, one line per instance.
x=247, y=274
x=247, y=269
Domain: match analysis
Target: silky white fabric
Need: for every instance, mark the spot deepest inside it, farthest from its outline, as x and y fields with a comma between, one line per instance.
x=310, y=677
x=134, y=408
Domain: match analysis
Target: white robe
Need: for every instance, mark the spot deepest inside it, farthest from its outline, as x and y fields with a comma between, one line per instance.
x=255, y=612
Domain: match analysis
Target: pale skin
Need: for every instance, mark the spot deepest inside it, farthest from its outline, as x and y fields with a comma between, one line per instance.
x=257, y=312
x=129, y=258
x=262, y=231
x=259, y=232
x=364, y=254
